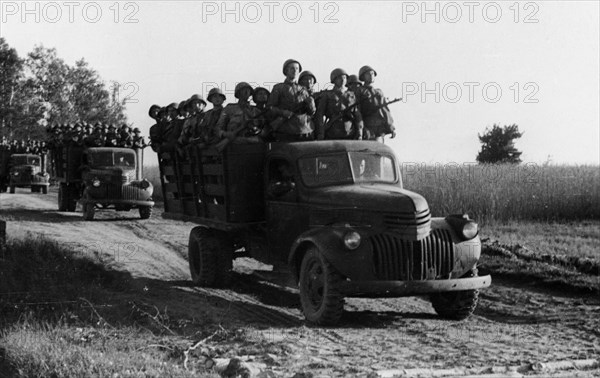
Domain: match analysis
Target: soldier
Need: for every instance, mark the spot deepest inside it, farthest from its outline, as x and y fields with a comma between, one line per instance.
x=156, y=113
x=125, y=137
x=339, y=106
x=209, y=133
x=354, y=84
x=191, y=127
x=292, y=105
x=171, y=128
x=308, y=80
x=377, y=117
x=237, y=119
x=138, y=140
x=112, y=137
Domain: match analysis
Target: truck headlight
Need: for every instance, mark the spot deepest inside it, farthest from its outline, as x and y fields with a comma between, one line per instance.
x=352, y=240
x=470, y=230
x=15, y=173
x=96, y=182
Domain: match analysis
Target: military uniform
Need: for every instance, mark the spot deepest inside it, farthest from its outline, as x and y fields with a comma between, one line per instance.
x=378, y=120
x=235, y=116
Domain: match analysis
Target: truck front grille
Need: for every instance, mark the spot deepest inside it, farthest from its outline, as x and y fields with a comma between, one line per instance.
x=398, y=220
x=397, y=259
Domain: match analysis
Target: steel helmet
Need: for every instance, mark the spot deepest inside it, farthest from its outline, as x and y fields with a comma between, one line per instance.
x=337, y=72
x=258, y=90
x=136, y=130
x=196, y=97
x=172, y=105
x=215, y=91
x=307, y=73
x=152, y=109
x=364, y=69
x=353, y=79
x=285, y=64
x=241, y=86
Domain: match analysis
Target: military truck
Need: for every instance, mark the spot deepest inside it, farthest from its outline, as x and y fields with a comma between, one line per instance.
x=101, y=178
x=23, y=171
x=333, y=213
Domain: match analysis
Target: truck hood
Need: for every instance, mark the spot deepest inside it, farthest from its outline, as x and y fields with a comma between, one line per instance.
x=384, y=208
x=373, y=197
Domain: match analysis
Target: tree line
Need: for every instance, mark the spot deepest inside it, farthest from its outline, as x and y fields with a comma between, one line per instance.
x=42, y=89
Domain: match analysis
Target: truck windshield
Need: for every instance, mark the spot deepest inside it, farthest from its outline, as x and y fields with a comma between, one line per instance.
x=25, y=160
x=347, y=168
x=112, y=159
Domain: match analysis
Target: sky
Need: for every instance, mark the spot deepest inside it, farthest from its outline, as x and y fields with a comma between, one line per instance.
x=459, y=66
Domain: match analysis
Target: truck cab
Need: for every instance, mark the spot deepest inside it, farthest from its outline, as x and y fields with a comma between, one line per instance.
x=28, y=171
x=336, y=215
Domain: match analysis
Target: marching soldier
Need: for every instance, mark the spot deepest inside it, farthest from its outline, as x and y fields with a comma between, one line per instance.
x=236, y=119
x=292, y=105
x=377, y=117
x=339, y=107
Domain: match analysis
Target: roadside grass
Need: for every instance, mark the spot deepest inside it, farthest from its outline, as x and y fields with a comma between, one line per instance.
x=560, y=255
x=65, y=315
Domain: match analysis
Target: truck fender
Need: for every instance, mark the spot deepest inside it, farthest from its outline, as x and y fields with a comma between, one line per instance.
x=330, y=242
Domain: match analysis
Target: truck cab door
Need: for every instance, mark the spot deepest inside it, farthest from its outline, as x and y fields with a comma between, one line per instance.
x=286, y=218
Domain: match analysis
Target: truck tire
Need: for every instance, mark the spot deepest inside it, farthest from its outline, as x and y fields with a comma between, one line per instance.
x=456, y=305
x=321, y=303
x=44, y=189
x=145, y=212
x=62, y=203
x=89, y=209
x=71, y=199
x=210, y=256
x=34, y=189
x=12, y=189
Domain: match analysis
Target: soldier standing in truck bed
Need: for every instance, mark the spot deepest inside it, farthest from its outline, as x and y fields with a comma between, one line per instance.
x=209, y=132
x=155, y=112
x=292, y=105
x=338, y=106
x=125, y=137
x=354, y=84
x=191, y=126
x=171, y=128
x=378, y=120
x=138, y=140
x=237, y=119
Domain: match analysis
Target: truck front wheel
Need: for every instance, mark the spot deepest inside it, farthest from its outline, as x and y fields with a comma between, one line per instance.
x=89, y=209
x=145, y=212
x=12, y=189
x=456, y=305
x=44, y=189
x=210, y=256
x=321, y=303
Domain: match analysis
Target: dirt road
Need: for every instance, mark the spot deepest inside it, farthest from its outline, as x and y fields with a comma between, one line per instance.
x=515, y=324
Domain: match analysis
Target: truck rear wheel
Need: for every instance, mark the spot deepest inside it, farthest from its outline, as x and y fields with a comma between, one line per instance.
x=62, y=201
x=71, y=198
x=321, y=303
x=210, y=256
x=44, y=189
x=456, y=305
x=145, y=212
x=89, y=209
x=12, y=189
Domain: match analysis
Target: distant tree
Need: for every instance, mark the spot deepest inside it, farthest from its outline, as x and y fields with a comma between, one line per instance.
x=11, y=69
x=498, y=145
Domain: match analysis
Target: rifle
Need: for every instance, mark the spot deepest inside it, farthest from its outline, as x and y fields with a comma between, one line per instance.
x=347, y=112
x=220, y=146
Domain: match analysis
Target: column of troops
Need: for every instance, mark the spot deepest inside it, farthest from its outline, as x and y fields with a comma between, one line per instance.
x=98, y=135
x=22, y=146
x=292, y=111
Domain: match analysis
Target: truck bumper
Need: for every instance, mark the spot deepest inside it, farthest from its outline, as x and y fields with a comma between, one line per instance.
x=117, y=202
x=379, y=289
